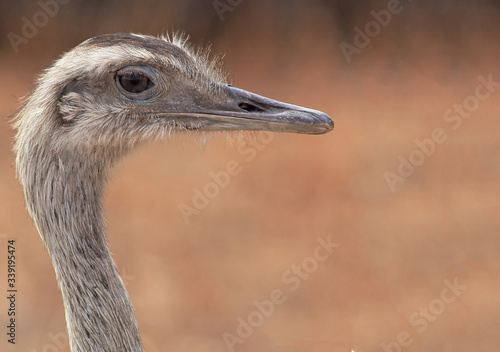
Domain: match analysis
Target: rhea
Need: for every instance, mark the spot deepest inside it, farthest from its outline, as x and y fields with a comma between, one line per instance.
x=92, y=106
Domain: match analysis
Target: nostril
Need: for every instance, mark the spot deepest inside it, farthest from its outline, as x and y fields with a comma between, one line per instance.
x=249, y=107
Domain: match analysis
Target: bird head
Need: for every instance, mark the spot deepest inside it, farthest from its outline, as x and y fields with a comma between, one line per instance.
x=119, y=89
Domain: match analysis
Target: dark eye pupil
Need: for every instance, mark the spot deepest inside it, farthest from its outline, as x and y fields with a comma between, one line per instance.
x=135, y=82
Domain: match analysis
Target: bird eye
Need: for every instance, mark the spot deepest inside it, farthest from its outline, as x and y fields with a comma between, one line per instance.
x=135, y=82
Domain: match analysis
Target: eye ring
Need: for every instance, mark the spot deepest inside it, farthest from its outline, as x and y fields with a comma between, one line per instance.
x=134, y=81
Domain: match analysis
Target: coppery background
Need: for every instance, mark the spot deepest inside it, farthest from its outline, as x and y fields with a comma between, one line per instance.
x=189, y=283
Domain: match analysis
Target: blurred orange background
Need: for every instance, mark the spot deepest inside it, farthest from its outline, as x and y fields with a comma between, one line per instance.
x=400, y=244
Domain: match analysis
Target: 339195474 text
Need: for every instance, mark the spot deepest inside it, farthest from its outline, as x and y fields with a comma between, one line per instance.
x=11, y=291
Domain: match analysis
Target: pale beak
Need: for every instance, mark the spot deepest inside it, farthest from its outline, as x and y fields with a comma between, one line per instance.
x=237, y=109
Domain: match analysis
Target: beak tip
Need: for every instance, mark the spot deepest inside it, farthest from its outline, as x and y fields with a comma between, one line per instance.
x=329, y=123
x=324, y=121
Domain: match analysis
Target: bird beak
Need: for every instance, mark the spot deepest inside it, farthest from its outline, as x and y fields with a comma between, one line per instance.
x=237, y=109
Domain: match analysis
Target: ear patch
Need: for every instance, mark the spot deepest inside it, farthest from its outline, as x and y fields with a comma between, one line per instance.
x=70, y=104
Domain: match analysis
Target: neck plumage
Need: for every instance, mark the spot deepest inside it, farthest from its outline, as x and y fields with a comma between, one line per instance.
x=64, y=197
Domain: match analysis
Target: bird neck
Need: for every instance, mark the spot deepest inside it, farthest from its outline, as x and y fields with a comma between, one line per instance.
x=64, y=197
